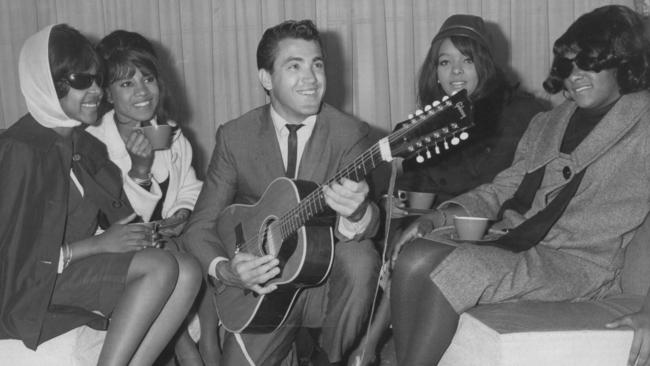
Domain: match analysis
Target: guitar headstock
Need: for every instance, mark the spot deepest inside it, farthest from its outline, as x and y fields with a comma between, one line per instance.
x=437, y=127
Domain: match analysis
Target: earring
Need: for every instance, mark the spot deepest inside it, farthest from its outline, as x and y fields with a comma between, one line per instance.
x=566, y=94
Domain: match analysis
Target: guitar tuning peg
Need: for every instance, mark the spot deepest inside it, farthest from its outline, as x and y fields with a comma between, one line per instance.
x=464, y=135
x=455, y=141
x=435, y=104
x=427, y=107
x=428, y=154
x=418, y=112
x=419, y=158
x=410, y=116
x=437, y=149
x=445, y=98
x=445, y=144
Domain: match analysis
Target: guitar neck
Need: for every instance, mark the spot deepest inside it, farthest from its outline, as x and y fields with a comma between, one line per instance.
x=314, y=204
x=440, y=125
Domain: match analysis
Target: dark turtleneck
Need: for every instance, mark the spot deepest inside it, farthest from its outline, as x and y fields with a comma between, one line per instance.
x=581, y=124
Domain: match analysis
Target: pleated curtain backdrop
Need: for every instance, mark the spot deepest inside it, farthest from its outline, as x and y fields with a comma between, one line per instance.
x=374, y=48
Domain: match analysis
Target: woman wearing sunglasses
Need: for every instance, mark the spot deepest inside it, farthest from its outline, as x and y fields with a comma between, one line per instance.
x=576, y=191
x=160, y=184
x=67, y=253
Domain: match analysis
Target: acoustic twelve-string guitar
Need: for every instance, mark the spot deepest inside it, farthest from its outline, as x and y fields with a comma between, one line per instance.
x=284, y=222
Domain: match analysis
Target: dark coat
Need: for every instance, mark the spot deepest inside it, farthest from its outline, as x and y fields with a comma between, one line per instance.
x=490, y=149
x=34, y=188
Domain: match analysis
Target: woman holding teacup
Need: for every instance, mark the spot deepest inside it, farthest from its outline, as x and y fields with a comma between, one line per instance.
x=161, y=184
x=67, y=256
x=157, y=171
x=587, y=154
x=460, y=57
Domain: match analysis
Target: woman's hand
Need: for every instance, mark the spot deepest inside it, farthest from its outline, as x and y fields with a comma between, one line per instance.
x=123, y=237
x=420, y=227
x=640, y=323
x=173, y=225
x=396, y=207
x=141, y=153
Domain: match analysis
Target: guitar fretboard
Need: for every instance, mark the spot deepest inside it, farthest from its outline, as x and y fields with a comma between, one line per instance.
x=400, y=143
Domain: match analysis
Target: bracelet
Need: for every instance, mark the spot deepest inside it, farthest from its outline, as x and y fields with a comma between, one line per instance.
x=67, y=255
x=145, y=182
x=444, y=217
x=441, y=214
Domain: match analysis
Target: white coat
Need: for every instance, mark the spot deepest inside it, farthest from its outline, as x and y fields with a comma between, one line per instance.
x=175, y=163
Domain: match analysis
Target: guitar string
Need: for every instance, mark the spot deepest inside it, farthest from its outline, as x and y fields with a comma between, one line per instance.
x=291, y=218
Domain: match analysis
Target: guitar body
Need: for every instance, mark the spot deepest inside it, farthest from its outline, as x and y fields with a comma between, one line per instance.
x=305, y=257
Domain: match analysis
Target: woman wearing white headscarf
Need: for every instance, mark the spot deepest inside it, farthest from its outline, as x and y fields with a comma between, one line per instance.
x=58, y=187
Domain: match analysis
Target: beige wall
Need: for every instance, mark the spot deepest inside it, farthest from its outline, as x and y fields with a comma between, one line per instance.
x=374, y=47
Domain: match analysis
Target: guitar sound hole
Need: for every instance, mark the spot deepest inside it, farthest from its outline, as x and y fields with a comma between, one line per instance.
x=270, y=237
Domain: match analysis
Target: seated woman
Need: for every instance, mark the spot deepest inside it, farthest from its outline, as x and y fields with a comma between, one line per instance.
x=57, y=189
x=460, y=57
x=576, y=190
x=161, y=185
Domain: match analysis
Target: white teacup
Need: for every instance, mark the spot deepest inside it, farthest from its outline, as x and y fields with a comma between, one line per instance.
x=470, y=228
x=159, y=136
x=420, y=200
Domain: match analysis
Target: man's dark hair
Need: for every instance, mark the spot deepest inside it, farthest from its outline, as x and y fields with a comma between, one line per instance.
x=298, y=29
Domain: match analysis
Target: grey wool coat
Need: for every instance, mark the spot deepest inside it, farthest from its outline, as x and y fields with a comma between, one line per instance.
x=582, y=254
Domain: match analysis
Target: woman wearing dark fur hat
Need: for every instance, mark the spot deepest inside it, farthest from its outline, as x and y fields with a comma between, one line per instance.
x=460, y=57
x=570, y=163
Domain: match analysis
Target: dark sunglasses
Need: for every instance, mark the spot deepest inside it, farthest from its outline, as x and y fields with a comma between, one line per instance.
x=81, y=81
x=563, y=66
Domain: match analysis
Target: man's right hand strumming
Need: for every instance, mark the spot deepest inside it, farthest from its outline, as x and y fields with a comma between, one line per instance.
x=249, y=271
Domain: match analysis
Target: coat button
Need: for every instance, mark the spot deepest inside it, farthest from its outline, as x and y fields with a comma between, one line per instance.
x=76, y=157
x=117, y=204
x=566, y=172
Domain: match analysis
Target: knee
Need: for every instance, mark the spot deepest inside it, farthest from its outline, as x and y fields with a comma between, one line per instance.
x=155, y=265
x=357, y=262
x=420, y=257
x=189, y=270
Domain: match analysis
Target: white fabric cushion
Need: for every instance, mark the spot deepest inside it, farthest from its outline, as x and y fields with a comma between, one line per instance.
x=531, y=334
x=78, y=347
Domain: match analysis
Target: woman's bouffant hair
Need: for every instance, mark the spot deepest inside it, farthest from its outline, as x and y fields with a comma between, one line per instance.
x=126, y=52
x=609, y=37
x=490, y=77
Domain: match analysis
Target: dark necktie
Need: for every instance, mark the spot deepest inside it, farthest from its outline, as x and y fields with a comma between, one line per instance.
x=292, y=150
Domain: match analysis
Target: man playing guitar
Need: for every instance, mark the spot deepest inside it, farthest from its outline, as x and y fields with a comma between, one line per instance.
x=250, y=153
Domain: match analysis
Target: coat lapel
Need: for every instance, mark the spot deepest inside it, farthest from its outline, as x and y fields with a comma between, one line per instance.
x=619, y=121
x=269, y=151
x=616, y=123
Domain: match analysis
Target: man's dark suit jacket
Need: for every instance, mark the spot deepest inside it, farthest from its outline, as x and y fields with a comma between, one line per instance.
x=246, y=159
